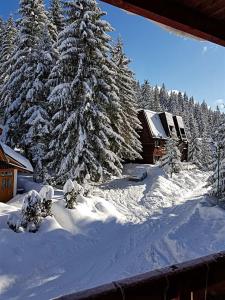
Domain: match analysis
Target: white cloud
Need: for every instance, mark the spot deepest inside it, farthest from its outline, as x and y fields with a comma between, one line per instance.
x=220, y=103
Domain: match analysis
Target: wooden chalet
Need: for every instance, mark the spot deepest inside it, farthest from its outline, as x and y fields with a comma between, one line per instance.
x=11, y=163
x=157, y=128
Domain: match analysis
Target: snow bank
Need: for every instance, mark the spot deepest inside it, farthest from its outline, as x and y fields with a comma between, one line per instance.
x=125, y=229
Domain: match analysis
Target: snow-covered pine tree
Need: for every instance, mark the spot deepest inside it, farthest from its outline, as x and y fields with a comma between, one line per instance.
x=56, y=14
x=37, y=116
x=163, y=98
x=23, y=65
x=26, y=116
x=71, y=190
x=137, y=88
x=171, y=161
x=195, y=151
x=217, y=180
x=173, y=105
x=31, y=213
x=180, y=103
x=83, y=96
x=8, y=33
x=125, y=83
x=206, y=149
x=47, y=194
x=147, y=96
x=156, y=103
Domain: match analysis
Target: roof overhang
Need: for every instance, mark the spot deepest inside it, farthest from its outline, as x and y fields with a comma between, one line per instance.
x=204, y=19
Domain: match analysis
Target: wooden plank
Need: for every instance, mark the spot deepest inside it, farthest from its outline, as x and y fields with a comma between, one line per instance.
x=174, y=14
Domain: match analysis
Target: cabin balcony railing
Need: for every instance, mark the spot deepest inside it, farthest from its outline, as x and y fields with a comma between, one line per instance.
x=199, y=279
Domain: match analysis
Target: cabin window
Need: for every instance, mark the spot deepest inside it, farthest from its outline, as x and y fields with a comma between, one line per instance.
x=9, y=183
x=182, y=130
x=171, y=128
x=3, y=184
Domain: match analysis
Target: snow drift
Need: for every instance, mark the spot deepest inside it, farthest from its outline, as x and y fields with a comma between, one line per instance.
x=124, y=229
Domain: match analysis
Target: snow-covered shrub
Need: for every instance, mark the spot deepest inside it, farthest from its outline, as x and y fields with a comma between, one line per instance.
x=30, y=216
x=171, y=161
x=71, y=190
x=47, y=194
x=31, y=213
x=87, y=188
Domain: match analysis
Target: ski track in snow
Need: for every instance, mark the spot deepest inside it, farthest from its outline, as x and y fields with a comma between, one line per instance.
x=125, y=229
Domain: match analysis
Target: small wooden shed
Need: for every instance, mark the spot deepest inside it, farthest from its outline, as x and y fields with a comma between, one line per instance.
x=11, y=162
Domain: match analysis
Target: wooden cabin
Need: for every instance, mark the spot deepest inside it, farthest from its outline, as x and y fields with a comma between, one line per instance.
x=11, y=162
x=152, y=136
x=157, y=128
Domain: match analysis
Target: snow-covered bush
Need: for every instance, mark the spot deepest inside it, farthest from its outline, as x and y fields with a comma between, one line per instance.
x=71, y=190
x=87, y=188
x=30, y=216
x=47, y=194
x=171, y=161
x=31, y=213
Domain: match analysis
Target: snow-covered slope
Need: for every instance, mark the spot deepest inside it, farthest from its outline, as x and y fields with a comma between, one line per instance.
x=126, y=228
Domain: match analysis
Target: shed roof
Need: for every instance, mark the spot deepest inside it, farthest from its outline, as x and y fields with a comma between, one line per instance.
x=23, y=163
x=155, y=125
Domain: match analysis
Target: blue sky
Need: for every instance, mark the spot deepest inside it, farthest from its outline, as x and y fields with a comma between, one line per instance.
x=159, y=56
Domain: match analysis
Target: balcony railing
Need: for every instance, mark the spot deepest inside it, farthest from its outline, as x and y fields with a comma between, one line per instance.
x=199, y=279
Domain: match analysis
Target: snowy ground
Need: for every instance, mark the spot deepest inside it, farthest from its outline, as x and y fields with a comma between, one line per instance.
x=126, y=228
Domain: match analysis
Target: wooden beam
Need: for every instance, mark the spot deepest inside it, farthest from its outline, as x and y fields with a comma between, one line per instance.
x=174, y=14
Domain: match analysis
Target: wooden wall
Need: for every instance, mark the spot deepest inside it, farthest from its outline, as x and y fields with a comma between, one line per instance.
x=148, y=142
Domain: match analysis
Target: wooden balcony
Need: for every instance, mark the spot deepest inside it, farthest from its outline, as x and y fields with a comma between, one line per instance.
x=199, y=279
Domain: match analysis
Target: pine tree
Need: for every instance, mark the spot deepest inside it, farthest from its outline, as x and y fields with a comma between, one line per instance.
x=31, y=213
x=8, y=34
x=22, y=67
x=156, y=103
x=83, y=97
x=47, y=194
x=56, y=15
x=171, y=161
x=163, y=98
x=195, y=152
x=206, y=152
x=71, y=191
x=137, y=88
x=26, y=116
x=127, y=99
x=147, y=96
x=37, y=115
x=217, y=180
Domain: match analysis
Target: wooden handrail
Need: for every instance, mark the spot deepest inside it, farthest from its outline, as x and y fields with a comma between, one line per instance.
x=198, y=279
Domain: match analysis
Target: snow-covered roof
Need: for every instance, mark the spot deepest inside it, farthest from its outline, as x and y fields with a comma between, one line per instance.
x=169, y=118
x=25, y=164
x=155, y=124
x=180, y=121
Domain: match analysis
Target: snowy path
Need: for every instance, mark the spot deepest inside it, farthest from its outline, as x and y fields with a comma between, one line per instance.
x=127, y=228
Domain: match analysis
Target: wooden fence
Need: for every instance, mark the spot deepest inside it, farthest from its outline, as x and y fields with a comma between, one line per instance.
x=199, y=279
